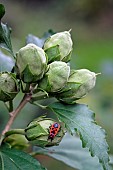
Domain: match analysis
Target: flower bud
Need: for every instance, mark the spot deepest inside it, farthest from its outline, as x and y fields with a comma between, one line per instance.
x=17, y=141
x=31, y=63
x=8, y=86
x=59, y=47
x=39, y=133
x=79, y=84
x=56, y=77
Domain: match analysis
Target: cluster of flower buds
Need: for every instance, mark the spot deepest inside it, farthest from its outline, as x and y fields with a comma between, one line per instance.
x=47, y=67
x=47, y=71
x=59, y=81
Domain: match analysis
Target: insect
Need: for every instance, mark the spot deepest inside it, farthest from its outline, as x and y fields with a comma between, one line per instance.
x=53, y=131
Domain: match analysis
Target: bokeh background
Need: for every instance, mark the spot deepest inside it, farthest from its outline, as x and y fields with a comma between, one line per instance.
x=91, y=22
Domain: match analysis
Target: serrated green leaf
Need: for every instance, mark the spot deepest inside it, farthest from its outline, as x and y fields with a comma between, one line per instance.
x=2, y=11
x=79, y=118
x=5, y=41
x=17, y=160
x=70, y=152
x=6, y=62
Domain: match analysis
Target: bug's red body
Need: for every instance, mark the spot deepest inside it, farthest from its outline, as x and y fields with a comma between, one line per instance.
x=53, y=131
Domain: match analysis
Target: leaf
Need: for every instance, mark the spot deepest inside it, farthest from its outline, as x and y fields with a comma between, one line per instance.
x=70, y=152
x=6, y=62
x=5, y=41
x=16, y=159
x=2, y=10
x=79, y=118
x=38, y=41
x=5, y=30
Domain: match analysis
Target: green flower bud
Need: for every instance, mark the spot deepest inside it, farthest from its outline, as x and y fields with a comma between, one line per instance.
x=79, y=84
x=56, y=77
x=31, y=63
x=59, y=47
x=17, y=141
x=8, y=86
x=38, y=132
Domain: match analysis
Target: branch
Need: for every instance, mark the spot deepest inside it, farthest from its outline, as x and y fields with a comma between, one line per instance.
x=14, y=113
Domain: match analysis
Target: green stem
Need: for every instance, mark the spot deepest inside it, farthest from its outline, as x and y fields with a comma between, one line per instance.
x=37, y=104
x=39, y=94
x=27, y=88
x=10, y=106
x=2, y=138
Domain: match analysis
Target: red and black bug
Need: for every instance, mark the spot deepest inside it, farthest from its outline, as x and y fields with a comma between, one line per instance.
x=53, y=131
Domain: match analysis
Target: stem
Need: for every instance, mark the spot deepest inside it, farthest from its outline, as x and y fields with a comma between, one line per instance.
x=37, y=104
x=39, y=94
x=10, y=106
x=1, y=138
x=27, y=88
x=14, y=113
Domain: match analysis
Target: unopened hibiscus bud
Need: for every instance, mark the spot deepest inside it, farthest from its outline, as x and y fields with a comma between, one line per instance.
x=44, y=132
x=79, y=84
x=8, y=86
x=17, y=141
x=59, y=47
x=31, y=63
x=56, y=77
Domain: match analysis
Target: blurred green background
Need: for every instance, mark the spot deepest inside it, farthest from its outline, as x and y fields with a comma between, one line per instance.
x=91, y=22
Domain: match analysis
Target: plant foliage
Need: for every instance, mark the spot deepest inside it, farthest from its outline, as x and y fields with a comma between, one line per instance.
x=40, y=71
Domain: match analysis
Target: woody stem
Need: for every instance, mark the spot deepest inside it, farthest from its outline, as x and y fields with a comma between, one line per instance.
x=14, y=113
